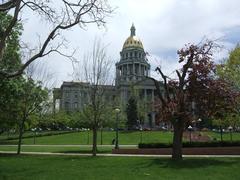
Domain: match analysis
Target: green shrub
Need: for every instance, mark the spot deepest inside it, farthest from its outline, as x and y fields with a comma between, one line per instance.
x=191, y=144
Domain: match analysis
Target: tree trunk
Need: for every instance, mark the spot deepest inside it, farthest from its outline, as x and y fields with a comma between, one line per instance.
x=177, y=140
x=21, y=129
x=94, y=147
x=221, y=133
x=101, y=136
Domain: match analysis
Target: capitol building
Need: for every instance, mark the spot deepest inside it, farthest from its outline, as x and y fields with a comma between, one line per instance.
x=132, y=72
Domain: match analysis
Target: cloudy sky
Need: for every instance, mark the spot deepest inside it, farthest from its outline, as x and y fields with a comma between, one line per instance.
x=163, y=26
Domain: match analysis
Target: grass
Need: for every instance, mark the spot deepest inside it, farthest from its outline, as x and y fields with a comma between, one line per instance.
x=128, y=138
x=114, y=168
x=108, y=136
x=58, y=149
x=226, y=136
x=28, y=134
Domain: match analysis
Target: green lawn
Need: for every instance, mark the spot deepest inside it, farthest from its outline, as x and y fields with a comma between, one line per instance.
x=226, y=136
x=114, y=168
x=57, y=149
x=27, y=134
x=124, y=138
x=108, y=136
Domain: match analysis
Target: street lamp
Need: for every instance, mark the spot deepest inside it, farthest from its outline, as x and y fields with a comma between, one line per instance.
x=116, y=142
x=88, y=131
x=190, y=131
x=199, y=121
x=35, y=133
x=140, y=128
x=194, y=123
x=101, y=135
x=230, y=128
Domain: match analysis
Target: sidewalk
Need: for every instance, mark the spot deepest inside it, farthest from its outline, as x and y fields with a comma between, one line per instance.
x=67, y=145
x=115, y=155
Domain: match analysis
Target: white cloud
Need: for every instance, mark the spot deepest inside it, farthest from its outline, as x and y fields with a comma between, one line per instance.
x=163, y=25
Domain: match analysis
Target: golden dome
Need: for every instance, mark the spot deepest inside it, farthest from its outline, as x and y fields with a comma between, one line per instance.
x=133, y=42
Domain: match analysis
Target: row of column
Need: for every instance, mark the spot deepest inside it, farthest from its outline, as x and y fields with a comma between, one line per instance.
x=125, y=95
x=130, y=55
x=125, y=70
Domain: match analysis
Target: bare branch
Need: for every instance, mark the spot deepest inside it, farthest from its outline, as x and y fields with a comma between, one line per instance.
x=9, y=28
x=80, y=13
x=165, y=83
x=8, y=5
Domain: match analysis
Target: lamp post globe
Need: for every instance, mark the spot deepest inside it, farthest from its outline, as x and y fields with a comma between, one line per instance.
x=117, y=110
x=230, y=128
x=190, y=131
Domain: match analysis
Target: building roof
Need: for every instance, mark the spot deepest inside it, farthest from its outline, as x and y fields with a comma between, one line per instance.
x=84, y=84
x=133, y=41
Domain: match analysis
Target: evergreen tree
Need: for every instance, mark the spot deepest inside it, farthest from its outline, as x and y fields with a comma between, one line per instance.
x=132, y=114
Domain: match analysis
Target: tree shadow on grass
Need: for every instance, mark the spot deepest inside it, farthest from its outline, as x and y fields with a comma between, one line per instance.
x=192, y=163
x=8, y=142
x=84, y=151
x=127, y=132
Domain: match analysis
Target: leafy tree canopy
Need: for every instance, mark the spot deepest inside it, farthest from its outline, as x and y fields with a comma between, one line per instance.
x=231, y=69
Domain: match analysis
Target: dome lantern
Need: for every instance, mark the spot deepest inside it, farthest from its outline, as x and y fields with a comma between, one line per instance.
x=133, y=30
x=133, y=41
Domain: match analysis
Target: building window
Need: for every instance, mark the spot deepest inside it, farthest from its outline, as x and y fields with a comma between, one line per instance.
x=76, y=95
x=130, y=69
x=67, y=93
x=75, y=105
x=66, y=105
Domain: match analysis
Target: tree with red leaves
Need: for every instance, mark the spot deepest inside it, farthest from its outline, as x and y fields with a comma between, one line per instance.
x=196, y=84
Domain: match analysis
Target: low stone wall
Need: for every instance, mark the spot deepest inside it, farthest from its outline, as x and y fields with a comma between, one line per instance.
x=186, y=151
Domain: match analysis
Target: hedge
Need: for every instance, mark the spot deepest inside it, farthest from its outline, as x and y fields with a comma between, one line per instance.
x=191, y=144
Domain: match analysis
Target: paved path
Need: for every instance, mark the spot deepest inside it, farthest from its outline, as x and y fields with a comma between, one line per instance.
x=66, y=145
x=115, y=155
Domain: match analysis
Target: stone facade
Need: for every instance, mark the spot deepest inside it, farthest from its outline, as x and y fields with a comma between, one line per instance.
x=74, y=95
x=131, y=73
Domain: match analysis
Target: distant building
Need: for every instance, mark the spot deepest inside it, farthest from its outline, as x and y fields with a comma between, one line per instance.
x=131, y=73
x=74, y=95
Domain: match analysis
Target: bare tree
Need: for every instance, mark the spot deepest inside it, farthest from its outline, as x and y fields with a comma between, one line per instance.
x=41, y=73
x=62, y=15
x=95, y=70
